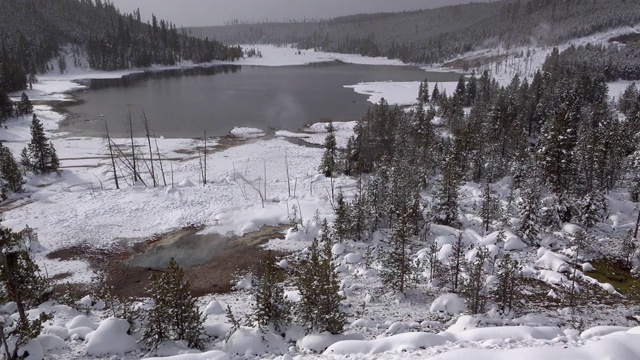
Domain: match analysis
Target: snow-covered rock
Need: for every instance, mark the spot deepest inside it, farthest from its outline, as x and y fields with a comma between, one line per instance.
x=551, y=261
x=50, y=342
x=602, y=331
x=214, y=308
x=209, y=355
x=248, y=341
x=81, y=321
x=218, y=330
x=111, y=338
x=449, y=303
x=319, y=342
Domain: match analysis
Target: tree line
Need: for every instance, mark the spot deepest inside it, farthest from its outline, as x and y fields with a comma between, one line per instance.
x=37, y=36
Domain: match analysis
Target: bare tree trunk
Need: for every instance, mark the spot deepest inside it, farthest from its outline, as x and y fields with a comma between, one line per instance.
x=146, y=128
x=204, y=173
x=164, y=179
x=286, y=167
x=113, y=160
x=133, y=149
x=128, y=163
x=635, y=233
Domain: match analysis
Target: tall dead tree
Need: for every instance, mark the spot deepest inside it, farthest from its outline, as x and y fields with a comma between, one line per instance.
x=113, y=159
x=146, y=129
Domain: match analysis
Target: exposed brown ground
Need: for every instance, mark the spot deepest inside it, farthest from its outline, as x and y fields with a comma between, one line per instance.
x=213, y=276
x=626, y=38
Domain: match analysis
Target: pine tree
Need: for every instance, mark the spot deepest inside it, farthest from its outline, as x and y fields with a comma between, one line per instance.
x=10, y=171
x=24, y=107
x=320, y=303
x=423, y=92
x=529, y=208
x=490, y=208
x=445, y=209
x=474, y=286
x=396, y=273
x=456, y=260
x=271, y=308
x=342, y=223
x=6, y=106
x=328, y=165
x=175, y=314
x=41, y=155
x=507, y=290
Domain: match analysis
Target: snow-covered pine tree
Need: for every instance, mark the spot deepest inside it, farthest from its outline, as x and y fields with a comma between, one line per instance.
x=320, y=303
x=456, y=260
x=445, y=208
x=528, y=210
x=395, y=257
x=175, y=314
x=6, y=106
x=328, y=163
x=24, y=107
x=271, y=308
x=507, y=290
x=423, y=91
x=474, y=285
x=10, y=171
x=490, y=208
x=343, y=219
x=41, y=155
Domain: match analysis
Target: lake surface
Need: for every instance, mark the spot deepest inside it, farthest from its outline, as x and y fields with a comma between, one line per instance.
x=183, y=103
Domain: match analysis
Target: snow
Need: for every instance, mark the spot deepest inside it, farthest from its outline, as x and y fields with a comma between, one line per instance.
x=449, y=303
x=248, y=341
x=59, y=208
x=111, y=338
x=397, y=92
x=209, y=355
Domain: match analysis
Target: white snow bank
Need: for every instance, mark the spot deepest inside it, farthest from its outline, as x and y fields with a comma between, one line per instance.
x=319, y=342
x=247, y=341
x=245, y=132
x=111, y=338
x=397, y=343
x=622, y=347
x=449, y=303
x=551, y=261
x=602, y=331
x=209, y=355
x=214, y=308
x=81, y=321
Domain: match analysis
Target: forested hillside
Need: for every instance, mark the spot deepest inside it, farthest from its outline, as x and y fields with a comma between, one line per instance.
x=436, y=35
x=33, y=32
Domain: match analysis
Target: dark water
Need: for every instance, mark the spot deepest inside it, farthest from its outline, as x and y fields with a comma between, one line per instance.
x=183, y=103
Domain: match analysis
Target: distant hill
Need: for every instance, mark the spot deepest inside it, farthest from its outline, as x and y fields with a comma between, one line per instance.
x=33, y=32
x=432, y=36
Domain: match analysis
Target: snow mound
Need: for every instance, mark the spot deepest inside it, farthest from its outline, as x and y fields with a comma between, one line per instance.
x=58, y=331
x=448, y=303
x=81, y=321
x=320, y=342
x=209, y=355
x=246, y=132
x=246, y=342
x=602, y=331
x=514, y=242
x=396, y=343
x=624, y=347
x=111, y=338
x=50, y=342
x=218, y=330
x=337, y=249
x=33, y=348
x=551, y=261
x=214, y=308
x=353, y=258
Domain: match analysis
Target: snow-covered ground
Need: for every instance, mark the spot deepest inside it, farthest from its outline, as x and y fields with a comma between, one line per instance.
x=82, y=207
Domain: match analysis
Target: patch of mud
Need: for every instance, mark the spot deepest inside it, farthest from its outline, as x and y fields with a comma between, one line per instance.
x=209, y=261
x=626, y=38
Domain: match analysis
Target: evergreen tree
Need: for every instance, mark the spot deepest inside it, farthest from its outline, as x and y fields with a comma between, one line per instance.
x=6, y=106
x=271, y=308
x=320, y=303
x=509, y=283
x=423, y=92
x=175, y=314
x=41, y=155
x=490, y=208
x=529, y=208
x=10, y=171
x=456, y=260
x=474, y=286
x=342, y=223
x=435, y=95
x=397, y=270
x=445, y=209
x=24, y=107
x=328, y=164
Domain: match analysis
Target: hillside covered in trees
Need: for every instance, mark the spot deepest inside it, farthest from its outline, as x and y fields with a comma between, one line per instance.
x=431, y=36
x=33, y=33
